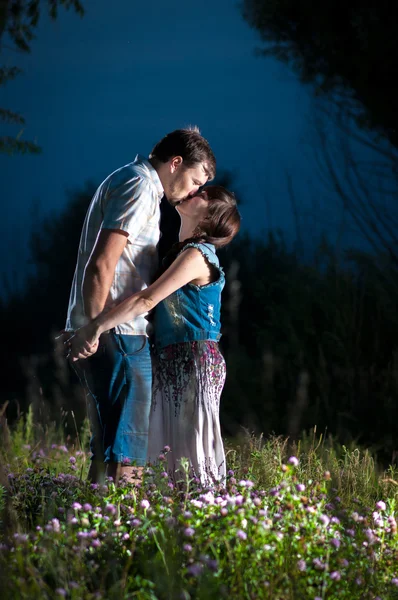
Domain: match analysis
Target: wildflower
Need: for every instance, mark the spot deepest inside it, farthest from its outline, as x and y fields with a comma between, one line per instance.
x=144, y=504
x=136, y=522
x=301, y=565
x=344, y=562
x=87, y=507
x=125, y=537
x=166, y=449
x=224, y=511
x=72, y=460
x=369, y=534
x=318, y=564
x=111, y=509
x=187, y=547
x=394, y=581
x=335, y=542
x=55, y=525
x=95, y=543
x=195, y=570
x=230, y=473
x=381, y=505
x=189, y=532
x=359, y=581
x=61, y=592
x=212, y=564
x=300, y=487
x=208, y=498
x=324, y=519
x=161, y=457
x=241, y=534
x=293, y=460
x=335, y=520
x=76, y=506
x=63, y=448
x=170, y=485
x=335, y=575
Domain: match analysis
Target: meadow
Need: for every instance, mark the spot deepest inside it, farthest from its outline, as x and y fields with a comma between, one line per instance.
x=294, y=520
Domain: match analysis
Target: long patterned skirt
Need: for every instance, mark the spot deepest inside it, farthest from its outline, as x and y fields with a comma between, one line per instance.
x=188, y=379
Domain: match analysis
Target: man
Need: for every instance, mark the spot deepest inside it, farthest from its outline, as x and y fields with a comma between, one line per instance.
x=117, y=257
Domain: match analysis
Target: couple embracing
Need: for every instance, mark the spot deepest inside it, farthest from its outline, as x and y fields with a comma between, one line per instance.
x=143, y=336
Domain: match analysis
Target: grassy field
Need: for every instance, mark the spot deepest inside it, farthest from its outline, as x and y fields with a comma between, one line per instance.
x=294, y=520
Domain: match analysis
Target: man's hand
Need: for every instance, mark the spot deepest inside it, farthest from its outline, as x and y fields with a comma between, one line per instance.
x=83, y=343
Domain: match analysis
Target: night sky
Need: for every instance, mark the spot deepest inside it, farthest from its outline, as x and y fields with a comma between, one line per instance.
x=98, y=90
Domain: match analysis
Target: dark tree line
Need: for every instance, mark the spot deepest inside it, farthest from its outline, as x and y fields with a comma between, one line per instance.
x=347, y=50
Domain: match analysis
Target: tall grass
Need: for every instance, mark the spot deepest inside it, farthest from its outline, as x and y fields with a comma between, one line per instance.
x=306, y=518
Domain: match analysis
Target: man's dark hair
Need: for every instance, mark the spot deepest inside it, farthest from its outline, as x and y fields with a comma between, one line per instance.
x=190, y=145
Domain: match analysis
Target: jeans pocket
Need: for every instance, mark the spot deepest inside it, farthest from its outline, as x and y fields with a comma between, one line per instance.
x=131, y=345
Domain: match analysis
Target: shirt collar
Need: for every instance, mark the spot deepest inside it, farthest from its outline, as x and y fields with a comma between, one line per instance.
x=152, y=173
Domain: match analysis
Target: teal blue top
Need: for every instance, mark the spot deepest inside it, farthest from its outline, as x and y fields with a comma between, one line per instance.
x=193, y=312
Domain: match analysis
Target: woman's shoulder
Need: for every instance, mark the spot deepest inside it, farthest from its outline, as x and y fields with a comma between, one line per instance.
x=205, y=248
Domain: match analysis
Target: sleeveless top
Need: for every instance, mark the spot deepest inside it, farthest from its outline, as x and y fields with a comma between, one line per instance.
x=191, y=313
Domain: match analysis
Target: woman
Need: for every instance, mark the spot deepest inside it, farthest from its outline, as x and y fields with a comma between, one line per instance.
x=189, y=370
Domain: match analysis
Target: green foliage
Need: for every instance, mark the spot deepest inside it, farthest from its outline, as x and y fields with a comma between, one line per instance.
x=348, y=51
x=283, y=526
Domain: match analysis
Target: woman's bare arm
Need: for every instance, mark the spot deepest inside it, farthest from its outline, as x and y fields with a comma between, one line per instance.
x=189, y=265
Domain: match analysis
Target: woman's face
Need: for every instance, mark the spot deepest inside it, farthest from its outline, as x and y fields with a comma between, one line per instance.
x=195, y=208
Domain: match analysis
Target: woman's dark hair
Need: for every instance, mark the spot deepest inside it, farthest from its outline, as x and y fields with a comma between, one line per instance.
x=190, y=145
x=223, y=219
x=219, y=227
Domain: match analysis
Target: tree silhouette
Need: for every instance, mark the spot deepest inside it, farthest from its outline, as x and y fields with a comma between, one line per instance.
x=347, y=50
x=18, y=22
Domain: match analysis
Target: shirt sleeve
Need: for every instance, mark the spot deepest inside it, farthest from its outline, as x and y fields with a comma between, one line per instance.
x=129, y=206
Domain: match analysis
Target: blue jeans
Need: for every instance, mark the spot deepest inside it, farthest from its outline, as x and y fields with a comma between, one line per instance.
x=119, y=379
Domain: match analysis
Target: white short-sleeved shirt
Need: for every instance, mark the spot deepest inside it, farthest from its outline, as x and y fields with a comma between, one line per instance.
x=129, y=199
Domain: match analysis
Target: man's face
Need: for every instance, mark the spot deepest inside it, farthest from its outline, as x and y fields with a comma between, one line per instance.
x=184, y=182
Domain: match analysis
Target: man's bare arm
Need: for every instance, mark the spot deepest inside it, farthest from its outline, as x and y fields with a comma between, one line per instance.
x=100, y=270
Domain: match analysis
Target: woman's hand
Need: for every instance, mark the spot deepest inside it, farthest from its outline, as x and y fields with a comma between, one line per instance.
x=84, y=342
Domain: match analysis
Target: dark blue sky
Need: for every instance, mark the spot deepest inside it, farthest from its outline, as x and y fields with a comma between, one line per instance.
x=97, y=90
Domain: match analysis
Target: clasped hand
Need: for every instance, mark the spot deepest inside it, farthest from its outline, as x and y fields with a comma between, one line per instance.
x=78, y=344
